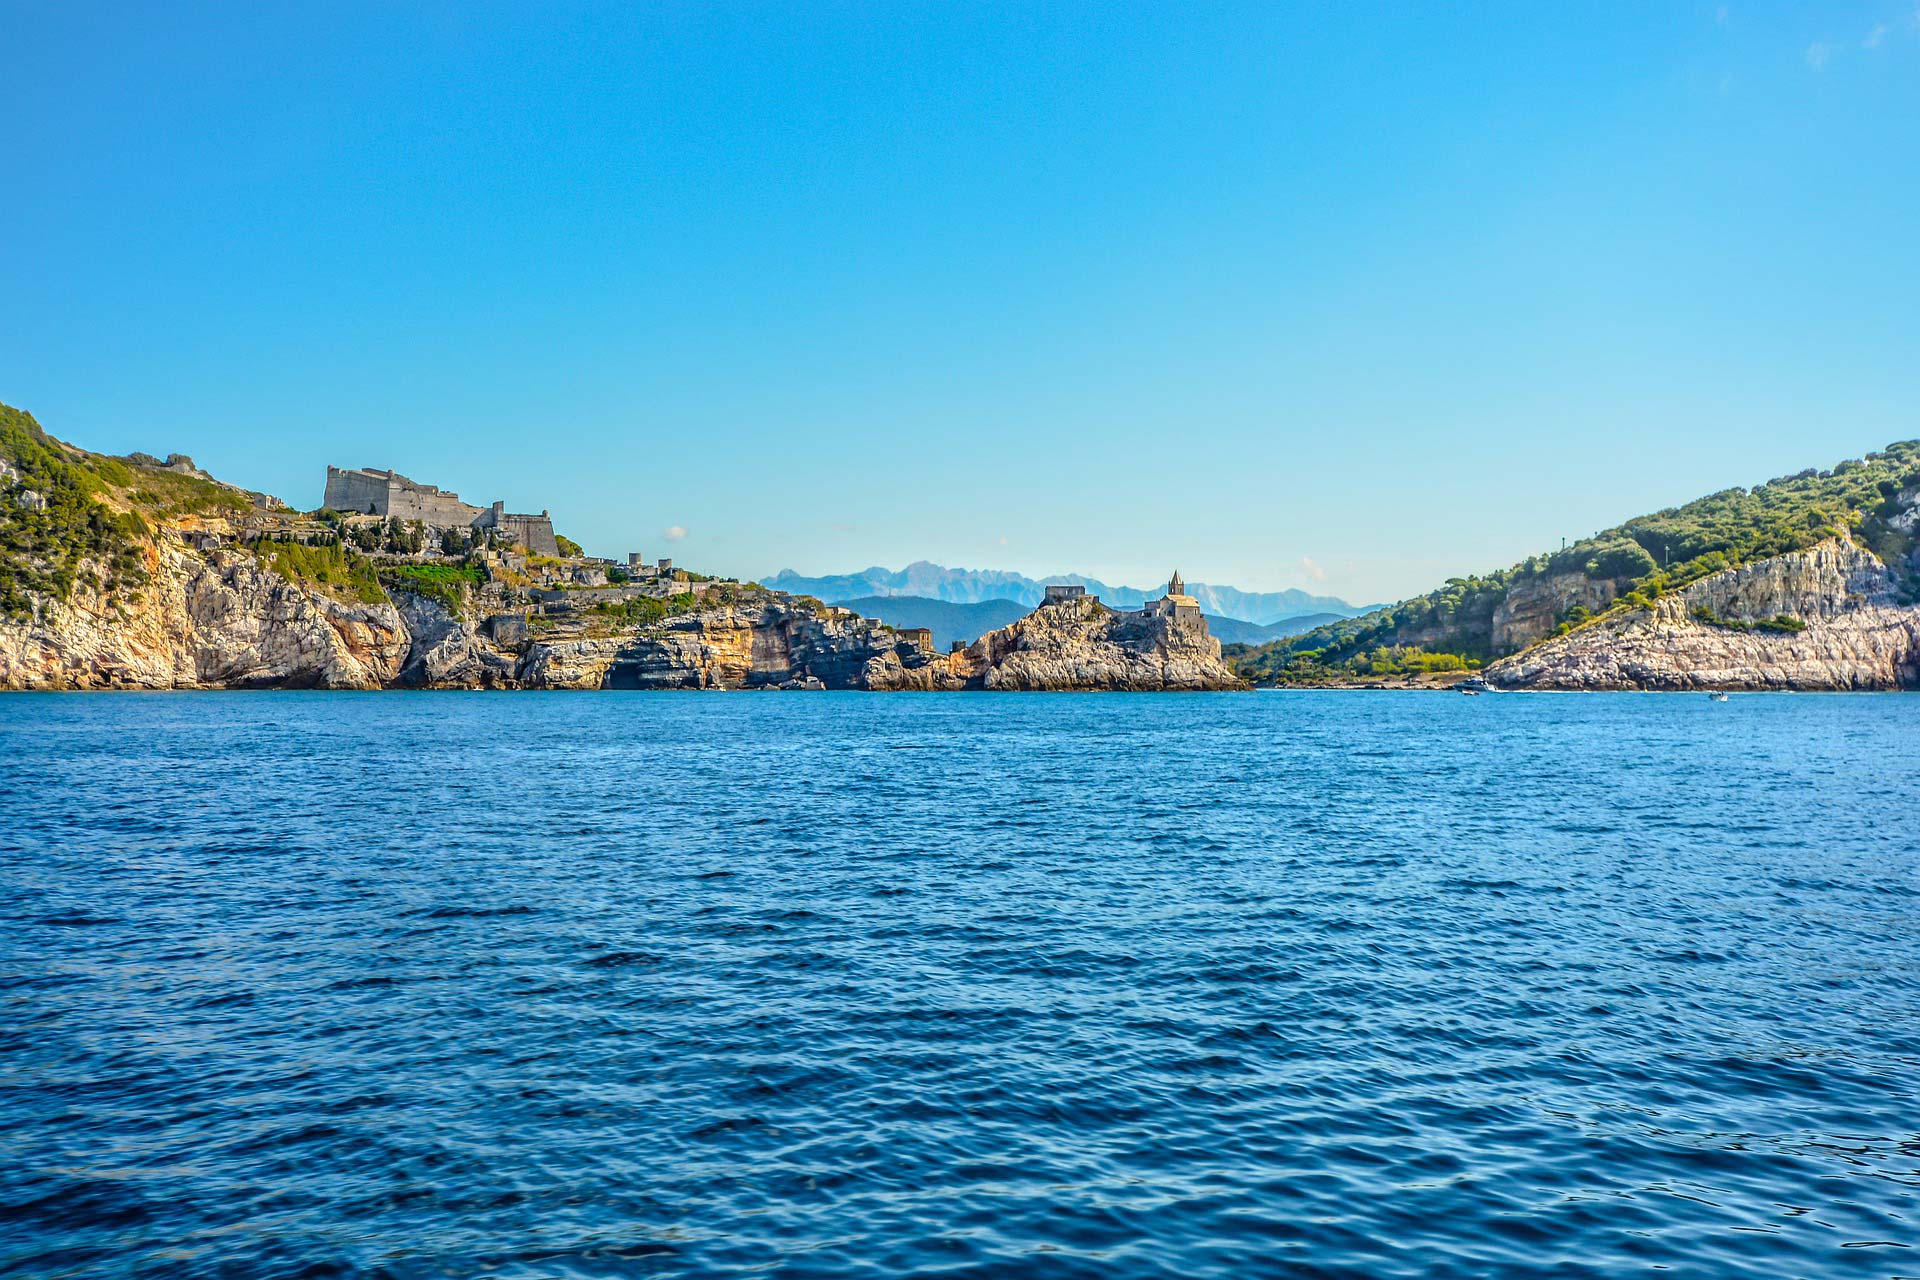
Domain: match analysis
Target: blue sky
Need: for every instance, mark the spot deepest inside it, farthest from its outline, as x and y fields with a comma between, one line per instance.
x=1342, y=296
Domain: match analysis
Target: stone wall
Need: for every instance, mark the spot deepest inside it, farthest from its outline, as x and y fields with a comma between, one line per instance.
x=388, y=493
x=535, y=533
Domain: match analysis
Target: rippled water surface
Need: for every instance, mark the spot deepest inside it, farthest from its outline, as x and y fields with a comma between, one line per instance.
x=963, y=985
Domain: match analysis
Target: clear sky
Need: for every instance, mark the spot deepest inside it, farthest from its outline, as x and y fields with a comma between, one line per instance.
x=1343, y=296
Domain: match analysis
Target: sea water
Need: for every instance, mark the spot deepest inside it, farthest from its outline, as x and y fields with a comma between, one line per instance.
x=811, y=985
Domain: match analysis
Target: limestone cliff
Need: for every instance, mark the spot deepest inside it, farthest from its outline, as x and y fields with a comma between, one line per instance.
x=1532, y=608
x=1726, y=632
x=215, y=621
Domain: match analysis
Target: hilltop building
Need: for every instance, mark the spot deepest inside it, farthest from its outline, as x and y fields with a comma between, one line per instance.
x=1061, y=591
x=373, y=492
x=1175, y=604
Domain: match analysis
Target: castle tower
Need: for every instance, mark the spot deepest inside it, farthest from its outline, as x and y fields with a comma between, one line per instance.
x=1176, y=587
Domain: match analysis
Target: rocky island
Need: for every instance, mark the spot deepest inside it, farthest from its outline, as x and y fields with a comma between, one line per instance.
x=139, y=573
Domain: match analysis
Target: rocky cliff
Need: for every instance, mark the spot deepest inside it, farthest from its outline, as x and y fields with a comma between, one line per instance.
x=1531, y=609
x=214, y=621
x=226, y=620
x=1824, y=618
x=1598, y=611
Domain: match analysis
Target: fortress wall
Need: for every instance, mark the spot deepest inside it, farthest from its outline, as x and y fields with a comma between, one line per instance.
x=413, y=502
x=535, y=533
x=355, y=491
x=385, y=493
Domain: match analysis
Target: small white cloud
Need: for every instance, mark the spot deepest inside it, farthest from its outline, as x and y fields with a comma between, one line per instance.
x=1312, y=570
x=1003, y=539
x=674, y=532
x=1908, y=24
x=1819, y=54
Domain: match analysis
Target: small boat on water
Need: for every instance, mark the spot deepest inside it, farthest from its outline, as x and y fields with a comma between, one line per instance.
x=1474, y=686
x=1718, y=695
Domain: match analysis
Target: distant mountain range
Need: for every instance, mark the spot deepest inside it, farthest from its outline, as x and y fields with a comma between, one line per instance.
x=976, y=586
x=950, y=621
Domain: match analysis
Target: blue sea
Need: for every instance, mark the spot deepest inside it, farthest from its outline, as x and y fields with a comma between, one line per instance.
x=841, y=985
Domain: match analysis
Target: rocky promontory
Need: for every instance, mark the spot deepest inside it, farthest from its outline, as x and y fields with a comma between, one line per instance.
x=1807, y=581
x=133, y=573
x=1081, y=644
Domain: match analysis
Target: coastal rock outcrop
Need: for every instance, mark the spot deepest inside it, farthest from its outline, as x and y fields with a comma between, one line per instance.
x=446, y=651
x=1080, y=644
x=1825, y=618
x=760, y=639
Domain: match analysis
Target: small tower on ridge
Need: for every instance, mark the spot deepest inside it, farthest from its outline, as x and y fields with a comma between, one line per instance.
x=1176, y=587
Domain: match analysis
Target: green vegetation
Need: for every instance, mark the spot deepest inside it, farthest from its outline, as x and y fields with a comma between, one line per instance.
x=328, y=566
x=1645, y=558
x=45, y=550
x=568, y=547
x=167, y=495
x=446, y=584
x=1779, y=623
x=646, y=609
x=1274, y=664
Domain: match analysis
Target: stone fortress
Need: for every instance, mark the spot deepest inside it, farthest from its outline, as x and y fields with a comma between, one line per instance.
x=369, y=491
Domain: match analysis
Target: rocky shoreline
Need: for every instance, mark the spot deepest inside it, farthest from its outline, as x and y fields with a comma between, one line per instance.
x=134, y=573
x=1827, y=619
x=225, y=619
x=138, y=573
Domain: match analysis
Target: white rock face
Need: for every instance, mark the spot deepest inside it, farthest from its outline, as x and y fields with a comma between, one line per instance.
x=1533, y=608
x=219, y=622
x=1857, y=636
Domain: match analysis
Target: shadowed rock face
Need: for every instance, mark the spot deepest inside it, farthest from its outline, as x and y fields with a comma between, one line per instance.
x=765, y=641
x=1857, y=635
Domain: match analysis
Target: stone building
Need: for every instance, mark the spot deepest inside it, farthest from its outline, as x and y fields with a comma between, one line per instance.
x=1175, y=604
x=535, y=533
x=370, y=491
x=1060, y=591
